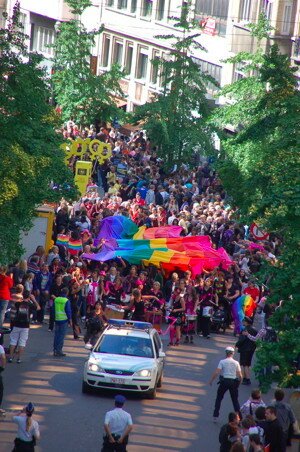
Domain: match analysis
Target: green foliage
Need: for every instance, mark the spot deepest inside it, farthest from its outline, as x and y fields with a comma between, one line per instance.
x=81, y=94
x=29, y=146
x=175, y=120
x=260, y=169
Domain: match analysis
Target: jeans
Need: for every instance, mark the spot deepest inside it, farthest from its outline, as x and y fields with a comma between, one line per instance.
x=42, y=302
x=231, y=385
x=3, y=307
x=59, y=336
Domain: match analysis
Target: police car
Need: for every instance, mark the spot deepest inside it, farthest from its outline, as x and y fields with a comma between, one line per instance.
x=127, y=356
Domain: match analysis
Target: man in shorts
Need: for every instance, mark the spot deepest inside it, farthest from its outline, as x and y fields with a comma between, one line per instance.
x=246, y=348
x=20, y=320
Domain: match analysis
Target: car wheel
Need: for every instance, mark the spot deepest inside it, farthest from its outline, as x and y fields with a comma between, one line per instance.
x=85, y=388
x=159, y=383
x=151, y=394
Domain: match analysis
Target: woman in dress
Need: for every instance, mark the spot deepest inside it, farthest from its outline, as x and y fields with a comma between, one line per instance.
x=176, y=316
x=190, y=299
x=155, y=305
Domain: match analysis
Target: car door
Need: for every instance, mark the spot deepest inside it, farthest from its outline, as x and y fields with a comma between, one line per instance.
x=158, y=349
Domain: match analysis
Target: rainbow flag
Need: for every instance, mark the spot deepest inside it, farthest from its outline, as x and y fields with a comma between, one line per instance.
x=182, y=253
x=62, y=239
x=74, y=246
x=243, y=306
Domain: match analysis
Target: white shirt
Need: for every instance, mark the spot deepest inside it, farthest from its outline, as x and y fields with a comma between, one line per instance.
x=229, y=367
x=117, y=420
x=22, y=433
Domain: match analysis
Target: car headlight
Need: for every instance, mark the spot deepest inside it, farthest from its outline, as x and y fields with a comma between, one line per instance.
x=144, y=373
x=94, y=367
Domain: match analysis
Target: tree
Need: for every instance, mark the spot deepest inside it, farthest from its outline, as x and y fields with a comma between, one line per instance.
x=29, y=146
x=260, y=168
x=175, y=119
x=81, y=94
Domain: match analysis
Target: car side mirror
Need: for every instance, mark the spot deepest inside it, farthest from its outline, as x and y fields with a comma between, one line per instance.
x=88, y=346
x=161, y=354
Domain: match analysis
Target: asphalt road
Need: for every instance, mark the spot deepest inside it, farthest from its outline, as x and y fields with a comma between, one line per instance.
x=179, y=419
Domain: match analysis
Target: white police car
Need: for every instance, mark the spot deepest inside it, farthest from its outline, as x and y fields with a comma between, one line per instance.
x=128, y=356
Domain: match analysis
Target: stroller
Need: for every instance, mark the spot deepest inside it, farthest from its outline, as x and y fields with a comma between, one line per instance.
x=219, y=321
x=94, y=328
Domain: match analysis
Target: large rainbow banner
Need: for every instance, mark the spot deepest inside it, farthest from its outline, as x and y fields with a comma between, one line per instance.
x=171, y=252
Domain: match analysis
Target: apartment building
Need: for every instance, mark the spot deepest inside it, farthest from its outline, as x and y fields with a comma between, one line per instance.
x=39, y=19
x=131, y=27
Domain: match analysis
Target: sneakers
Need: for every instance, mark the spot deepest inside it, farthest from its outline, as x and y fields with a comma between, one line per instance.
x=19, y=361
x=59, y=354
x=10, y=360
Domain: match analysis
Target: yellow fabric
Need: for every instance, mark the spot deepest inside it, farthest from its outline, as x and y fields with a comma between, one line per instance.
x=160, y=257
x=139, y=235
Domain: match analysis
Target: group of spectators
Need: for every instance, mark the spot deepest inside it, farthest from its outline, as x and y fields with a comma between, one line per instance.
x=262, y=427
x=134, y=183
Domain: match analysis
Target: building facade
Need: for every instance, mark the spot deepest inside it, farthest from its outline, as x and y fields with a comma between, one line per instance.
x=39, y=20
x=131, y=27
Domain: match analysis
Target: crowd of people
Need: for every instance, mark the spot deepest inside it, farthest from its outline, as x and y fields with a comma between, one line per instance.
x=259, y=427
x=77, y=291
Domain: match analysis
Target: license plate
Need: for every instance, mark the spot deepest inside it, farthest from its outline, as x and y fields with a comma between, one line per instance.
x=118, y=381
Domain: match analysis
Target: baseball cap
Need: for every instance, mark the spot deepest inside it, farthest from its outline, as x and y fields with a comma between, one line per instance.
x=120, y=399
x=229, y=350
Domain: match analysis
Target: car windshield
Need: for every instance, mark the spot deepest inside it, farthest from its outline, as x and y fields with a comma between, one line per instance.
x=125, y=345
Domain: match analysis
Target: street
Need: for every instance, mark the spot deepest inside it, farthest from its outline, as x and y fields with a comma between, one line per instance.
x=180, y=419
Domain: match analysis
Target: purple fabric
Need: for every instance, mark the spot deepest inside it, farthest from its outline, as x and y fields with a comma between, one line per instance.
x=116, y=227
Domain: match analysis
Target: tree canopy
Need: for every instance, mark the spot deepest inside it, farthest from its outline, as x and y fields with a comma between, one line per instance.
x=80, y=93
x=175, y=119
x=30, y=153
x=260, y=169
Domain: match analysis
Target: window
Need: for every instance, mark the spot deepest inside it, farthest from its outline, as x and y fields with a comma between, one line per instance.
x=266, y=7
x=142, y=64
x=210, y=69
x=106, y=49
x=296, y=48
x=287, y=17
x=245, y=10
x=118, y=53
x=110, y=3
x=160, y=10
x=238, y=72
x=154, y=68
x=128, y=58
x=146, y=10
x=122, y=4
x=133, y=6
x=42, y=39
x=217, y=9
